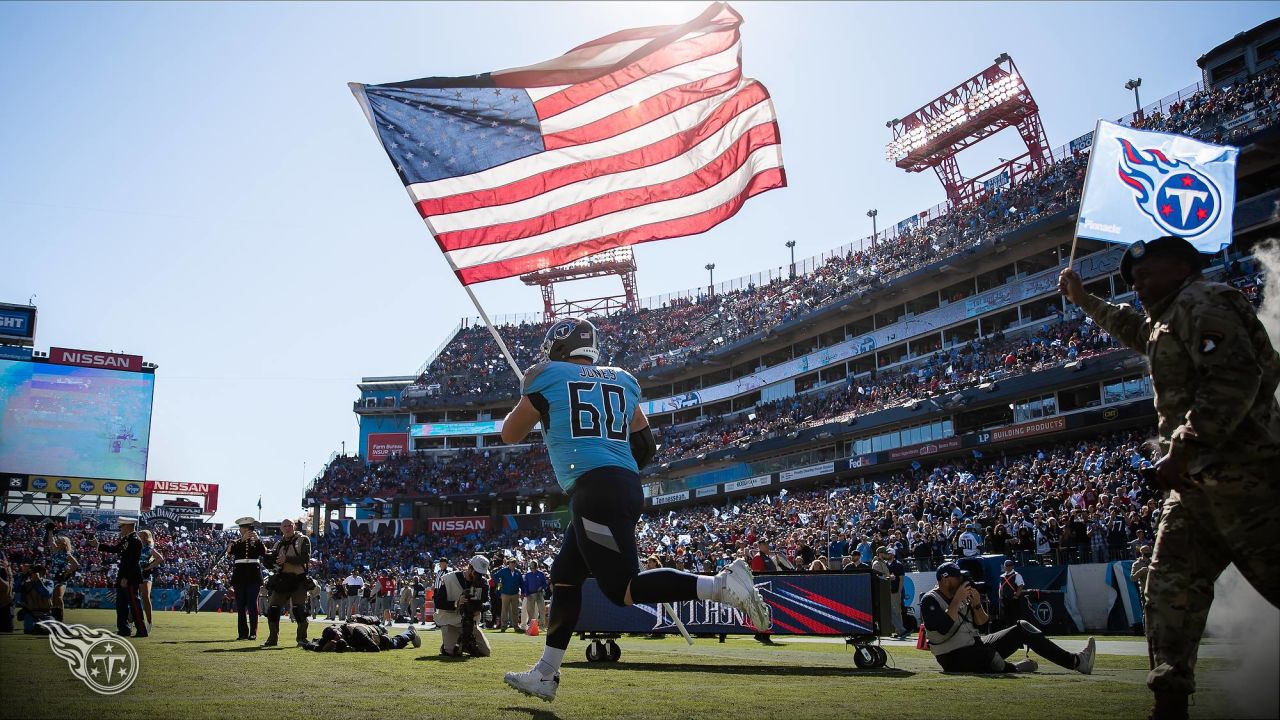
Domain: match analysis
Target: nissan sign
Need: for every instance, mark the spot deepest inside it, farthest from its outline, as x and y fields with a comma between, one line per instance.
x=458, y=525
x=94, y=359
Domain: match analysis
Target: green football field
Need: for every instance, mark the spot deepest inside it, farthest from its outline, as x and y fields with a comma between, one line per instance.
x=190, y=668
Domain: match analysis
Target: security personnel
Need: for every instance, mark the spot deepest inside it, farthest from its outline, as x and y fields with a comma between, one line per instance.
x=246, y=576
x=1214, y=373
x=468, y=587
x=290, y=584
x=128, y=578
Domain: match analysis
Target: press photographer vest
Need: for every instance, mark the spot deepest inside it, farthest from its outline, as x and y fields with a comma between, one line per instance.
x=455, y=590
x=963, y=633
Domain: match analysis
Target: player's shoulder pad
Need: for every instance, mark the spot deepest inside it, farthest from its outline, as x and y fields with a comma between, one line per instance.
x=532, y=374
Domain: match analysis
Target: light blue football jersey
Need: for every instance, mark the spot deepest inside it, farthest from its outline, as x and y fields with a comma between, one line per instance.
x=586, y=416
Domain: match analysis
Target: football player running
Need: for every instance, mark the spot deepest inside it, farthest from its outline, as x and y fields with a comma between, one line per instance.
x=599, y=439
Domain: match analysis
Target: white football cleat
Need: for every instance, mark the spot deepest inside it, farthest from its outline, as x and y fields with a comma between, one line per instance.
x=1084, y=665
x=736, y=586
x=533, y=683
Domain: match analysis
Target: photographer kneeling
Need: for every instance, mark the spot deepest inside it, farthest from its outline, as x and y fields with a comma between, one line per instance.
x=460, y=600
x=952, y=612
x=35, y=594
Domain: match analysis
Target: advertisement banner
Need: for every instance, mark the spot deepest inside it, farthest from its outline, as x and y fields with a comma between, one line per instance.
x=932, y=321
x=1082, y=143
x=446, y=429
x=381, y=446
x=18, y=324
x=749, y=483
x=807, y=472
x=458, y=525
x=208, y=491
x=16, y=483
x=706, y=491
x=924, y=449
x=831, y=604
x=1036, y=427
x=85, y=486
x=537, y=522
x=104, y=519
x=95, y=359
x=861, y=461
x=671, y=497
x=11, y=352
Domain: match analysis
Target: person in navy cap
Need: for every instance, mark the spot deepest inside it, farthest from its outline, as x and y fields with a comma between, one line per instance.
x=128, y=579
x=952, y=612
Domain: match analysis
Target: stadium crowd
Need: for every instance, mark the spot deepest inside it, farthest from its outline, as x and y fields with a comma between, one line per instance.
x=466, y=472
x=685, y=329
x=188, y=556
x=1069, y=502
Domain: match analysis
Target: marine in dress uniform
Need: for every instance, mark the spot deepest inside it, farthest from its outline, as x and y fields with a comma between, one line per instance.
x=1214, y=373
x=246, y=552
x=128, y=579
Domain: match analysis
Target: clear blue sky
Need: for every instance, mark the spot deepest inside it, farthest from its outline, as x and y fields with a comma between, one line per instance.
x=194, y=182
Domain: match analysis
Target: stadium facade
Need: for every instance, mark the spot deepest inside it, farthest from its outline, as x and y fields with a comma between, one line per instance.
x=839, y=326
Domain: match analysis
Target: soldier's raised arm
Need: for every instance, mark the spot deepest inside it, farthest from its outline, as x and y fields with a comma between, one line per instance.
x=1126, y=324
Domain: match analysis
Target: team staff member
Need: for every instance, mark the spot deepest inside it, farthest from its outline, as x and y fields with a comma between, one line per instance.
x=246, y=552
x=1011, y=588
x=1214, y=373
x=128, y=579
x=468, y=587
x=598, y=440
x=289, y=585
x=952, y=612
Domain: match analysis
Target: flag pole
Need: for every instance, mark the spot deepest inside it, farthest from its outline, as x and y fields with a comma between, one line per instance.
x=1084, y=193
x=502, y=345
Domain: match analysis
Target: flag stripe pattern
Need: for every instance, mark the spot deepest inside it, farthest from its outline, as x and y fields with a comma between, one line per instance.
x=642, y=135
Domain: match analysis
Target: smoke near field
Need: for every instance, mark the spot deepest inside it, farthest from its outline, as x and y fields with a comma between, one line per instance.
x=1240, y=615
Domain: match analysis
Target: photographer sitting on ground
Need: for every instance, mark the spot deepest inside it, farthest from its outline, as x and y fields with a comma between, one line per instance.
x=35, y=593
x=952, y=612
x=460, y=600
x=361, y=634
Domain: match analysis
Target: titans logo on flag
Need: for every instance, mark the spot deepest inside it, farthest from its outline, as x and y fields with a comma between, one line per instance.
x=1179, y=199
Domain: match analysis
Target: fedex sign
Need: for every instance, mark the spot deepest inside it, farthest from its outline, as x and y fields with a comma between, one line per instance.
x=381, y=446
x=93, y=359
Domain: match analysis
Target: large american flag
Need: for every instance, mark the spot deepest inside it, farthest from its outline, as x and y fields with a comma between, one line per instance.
x=645, y=134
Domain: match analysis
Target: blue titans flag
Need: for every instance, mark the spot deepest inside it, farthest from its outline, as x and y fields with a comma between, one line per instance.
x=1142, y=185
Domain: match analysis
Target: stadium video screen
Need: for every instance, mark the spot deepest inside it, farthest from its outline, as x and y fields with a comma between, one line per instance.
x=74, y=421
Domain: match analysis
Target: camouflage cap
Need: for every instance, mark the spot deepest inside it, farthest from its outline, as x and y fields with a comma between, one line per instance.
x=1169, y=245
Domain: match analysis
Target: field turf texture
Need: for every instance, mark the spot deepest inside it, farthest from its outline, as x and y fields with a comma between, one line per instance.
x=191, y=668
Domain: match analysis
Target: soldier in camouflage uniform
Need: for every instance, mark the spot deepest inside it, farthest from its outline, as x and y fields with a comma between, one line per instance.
x=1215, y=374
x=290, y=585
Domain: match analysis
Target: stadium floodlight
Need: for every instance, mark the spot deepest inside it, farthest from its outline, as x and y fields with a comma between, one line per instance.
x=993, y=100
x=1134, y=85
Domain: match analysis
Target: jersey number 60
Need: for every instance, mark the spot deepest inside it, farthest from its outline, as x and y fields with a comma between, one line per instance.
x=584, y=411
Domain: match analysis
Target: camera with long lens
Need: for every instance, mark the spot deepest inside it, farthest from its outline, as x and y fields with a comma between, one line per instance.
x=467, y=638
